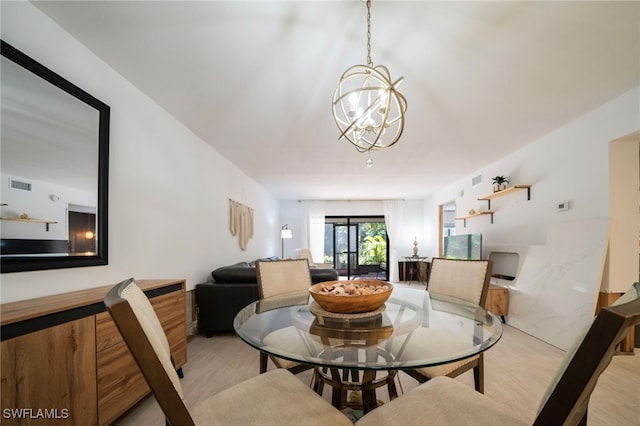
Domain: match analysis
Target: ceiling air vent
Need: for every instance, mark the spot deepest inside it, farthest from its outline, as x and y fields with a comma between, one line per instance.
x=18, y=184
x=476, y=180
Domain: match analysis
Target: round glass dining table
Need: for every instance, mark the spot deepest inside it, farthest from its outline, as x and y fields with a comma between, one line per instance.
x=413, y=329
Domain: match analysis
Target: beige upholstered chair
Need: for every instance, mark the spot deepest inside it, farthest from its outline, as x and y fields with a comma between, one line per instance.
x=276, y=397
x=277, y=278
x=444, y=401
x=305, y=253
x=463, y=279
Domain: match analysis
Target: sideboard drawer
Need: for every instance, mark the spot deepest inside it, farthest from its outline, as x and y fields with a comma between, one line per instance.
x=52, y=369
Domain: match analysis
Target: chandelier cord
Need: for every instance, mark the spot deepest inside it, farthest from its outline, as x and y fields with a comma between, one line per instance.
x=369, y=62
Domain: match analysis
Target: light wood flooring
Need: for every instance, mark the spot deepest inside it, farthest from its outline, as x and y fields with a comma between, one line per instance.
x=517, y=371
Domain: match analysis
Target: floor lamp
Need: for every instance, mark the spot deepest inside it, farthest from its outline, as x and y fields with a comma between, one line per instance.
x=285, y=233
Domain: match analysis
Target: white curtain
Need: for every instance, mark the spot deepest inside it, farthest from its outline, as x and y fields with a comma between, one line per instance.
x=314, y=211
x=393, y=220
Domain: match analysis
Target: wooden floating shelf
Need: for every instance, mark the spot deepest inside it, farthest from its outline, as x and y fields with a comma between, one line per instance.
x=507, y=191
x=475, y=215
x=17, y=219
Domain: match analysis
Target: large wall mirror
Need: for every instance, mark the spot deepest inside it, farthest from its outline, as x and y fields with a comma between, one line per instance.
x=54, y=157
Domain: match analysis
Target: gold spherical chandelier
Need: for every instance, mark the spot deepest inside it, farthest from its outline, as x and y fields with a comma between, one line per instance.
x=367, y=108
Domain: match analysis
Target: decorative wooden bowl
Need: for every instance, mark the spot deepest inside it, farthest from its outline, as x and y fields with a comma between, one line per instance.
x=346, y=303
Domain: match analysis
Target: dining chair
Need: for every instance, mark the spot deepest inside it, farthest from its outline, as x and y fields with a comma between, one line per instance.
x=445, y=401
x=276, y=278
x=276, y=397
x=463, y=279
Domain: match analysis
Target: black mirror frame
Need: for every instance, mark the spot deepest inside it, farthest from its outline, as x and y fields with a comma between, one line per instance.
x=21, y=264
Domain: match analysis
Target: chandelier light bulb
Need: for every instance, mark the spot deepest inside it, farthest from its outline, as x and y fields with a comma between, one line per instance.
x=369, y=162
x=353, y=100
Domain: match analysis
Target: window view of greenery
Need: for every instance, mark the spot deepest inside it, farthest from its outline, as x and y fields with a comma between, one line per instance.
x=367, y=245
x=373, y=244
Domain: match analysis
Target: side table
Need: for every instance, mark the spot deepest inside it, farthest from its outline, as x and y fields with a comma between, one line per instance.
x=498, y=300
x=414, y=268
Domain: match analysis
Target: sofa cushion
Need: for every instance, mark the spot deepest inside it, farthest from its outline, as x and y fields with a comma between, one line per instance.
x=265, y=259
x=243, y=272
x=240, y=272
x=319, y=275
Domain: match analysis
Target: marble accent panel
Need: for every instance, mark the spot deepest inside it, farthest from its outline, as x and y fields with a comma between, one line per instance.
x=554, y=295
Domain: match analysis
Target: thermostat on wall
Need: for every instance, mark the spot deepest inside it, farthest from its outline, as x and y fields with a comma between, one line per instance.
x=563, y=206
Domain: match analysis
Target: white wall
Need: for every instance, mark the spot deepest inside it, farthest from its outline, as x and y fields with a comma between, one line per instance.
x=569, y=164
x=562, y=253
x=169, y=190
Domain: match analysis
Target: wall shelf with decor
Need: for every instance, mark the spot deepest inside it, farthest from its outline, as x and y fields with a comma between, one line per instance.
x=25, y=218
x=504, y=192
x=464, y=218
x=17, y=219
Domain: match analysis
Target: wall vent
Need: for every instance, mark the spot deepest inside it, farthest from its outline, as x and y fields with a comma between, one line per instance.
x=18, y=184
x=476, y=180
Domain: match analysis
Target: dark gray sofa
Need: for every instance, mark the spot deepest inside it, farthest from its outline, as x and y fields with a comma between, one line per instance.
x=232, y=288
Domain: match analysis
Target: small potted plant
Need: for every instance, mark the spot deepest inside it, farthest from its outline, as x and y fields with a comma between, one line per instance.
x=500, y=183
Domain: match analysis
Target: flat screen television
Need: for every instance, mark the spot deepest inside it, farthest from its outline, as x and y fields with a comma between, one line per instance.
x=466, y=246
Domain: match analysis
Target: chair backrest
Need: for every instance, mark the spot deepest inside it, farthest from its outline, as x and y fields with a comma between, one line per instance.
x=567, y=399
x=142, y=332
x=463, y=279
x=304, y=253
x=282, y=276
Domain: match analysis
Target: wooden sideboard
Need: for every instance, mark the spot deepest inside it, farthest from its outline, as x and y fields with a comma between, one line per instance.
x=64, y=361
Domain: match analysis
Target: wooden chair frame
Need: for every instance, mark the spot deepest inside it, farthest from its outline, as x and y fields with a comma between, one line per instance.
x=568, y=402
x=146, y=357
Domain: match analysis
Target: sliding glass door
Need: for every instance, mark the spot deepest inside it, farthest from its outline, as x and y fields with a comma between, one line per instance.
x=357, y=246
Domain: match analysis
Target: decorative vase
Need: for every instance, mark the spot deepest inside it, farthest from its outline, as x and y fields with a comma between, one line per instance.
x=415, y=246
x=497, y=187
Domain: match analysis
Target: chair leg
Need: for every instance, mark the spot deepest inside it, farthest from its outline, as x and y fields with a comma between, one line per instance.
x=478, y=376
x=391, y=385
x=338, y=392
x=317, y=381
x=263, y=362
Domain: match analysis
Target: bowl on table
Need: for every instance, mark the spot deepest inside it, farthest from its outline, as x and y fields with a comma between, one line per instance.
x=351, y=296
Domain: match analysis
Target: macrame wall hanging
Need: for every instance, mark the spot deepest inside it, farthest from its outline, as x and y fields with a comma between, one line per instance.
x=241, y=222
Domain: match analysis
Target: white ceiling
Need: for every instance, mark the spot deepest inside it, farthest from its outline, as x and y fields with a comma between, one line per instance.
x=255, y=79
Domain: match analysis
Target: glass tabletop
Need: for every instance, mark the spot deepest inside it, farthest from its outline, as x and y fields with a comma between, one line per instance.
x=414, y=329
